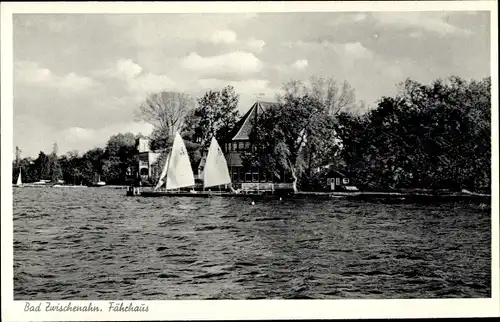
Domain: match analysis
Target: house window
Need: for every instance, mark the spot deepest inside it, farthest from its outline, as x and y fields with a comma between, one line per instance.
x=263, y=176
x=247, y=145
x=345, y=181
x=248, y=177
x=337, y=181
x=235, y=175
x=235, y=146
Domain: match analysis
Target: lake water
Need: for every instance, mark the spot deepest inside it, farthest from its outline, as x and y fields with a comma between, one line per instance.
x=97, y=244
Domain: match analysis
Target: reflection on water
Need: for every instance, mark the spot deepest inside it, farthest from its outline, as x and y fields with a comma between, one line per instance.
x=95, y=243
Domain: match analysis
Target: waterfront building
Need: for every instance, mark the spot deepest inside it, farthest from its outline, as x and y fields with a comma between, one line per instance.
x=146, y=158
x=238, y=142
x=333, y=179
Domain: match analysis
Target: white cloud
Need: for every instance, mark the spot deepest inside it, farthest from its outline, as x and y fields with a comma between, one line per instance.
x=223, y=36
x=239, y=62
x=429, y=21
x=153, y=30
x=416, y=34
x=356, y=50
x=137, y=81
x=250, y=86
x=30, y=73
x=256, y=44
x=150, y=83
x=128, y=68
x=249, y=90
x=229, y=37
x=123, y=69
x=78, y=134
x=360, y=17
x=300, y=64
x=84, y=139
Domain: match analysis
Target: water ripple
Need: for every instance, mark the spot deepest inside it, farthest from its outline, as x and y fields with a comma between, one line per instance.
x=97, y=244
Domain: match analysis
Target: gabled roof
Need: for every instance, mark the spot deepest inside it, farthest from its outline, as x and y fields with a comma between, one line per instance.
x=331, y=169
x=243, y=128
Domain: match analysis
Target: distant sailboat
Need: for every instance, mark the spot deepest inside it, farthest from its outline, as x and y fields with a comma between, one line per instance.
x=97, y=181
x=19, y=182
x=215, y=172
x=179, y=173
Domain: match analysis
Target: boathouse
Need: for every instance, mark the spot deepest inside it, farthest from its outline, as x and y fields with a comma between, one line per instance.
x=333, y=179
x=238, y=142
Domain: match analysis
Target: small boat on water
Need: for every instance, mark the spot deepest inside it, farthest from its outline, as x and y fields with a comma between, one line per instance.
x=216, y=172
x=19, y=182
x=176, y=174
x=98, y=182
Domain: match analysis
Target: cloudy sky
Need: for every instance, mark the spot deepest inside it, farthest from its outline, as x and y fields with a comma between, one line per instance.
x=79, y=78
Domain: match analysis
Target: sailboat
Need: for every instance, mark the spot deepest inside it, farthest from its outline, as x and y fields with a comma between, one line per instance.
x=162, y=175
x=100, y=183
x=177, y=172
x=216, y=172
x=19, y=182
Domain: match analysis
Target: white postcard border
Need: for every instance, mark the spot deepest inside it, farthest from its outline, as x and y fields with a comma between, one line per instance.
x=241, y=309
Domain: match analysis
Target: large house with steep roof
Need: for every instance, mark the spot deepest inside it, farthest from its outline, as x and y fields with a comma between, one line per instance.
x=238, y=142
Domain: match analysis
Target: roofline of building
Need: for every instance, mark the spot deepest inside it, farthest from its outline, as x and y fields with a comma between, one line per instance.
x=246, y=117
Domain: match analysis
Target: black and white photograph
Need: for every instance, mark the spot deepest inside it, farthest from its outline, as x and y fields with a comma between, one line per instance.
x=270, y=154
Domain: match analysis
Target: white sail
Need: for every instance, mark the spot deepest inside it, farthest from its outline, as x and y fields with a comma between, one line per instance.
x=163, y=174
x=179, y=173
x=215, y=172
x=19, y=180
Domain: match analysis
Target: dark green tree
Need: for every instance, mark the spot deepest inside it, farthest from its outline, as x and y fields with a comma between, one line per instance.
x=42, y=166
x=433, y=136
x=280, y=136
x=120, y=153
x=216, y=115
x=55, y=168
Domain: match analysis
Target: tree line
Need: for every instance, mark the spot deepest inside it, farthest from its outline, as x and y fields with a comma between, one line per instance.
x=117, y=163
x=114, y=164
x=435, y=136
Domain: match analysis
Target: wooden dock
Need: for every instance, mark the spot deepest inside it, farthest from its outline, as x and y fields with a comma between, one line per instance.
x=386, y=197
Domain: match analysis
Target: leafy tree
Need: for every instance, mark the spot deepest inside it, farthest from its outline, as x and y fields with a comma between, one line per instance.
x=120, y=153
x=427, y=136
x=42, y=166
x=281, y=134
x=160, y=139
x=335, y=98
x=96, y=157
x=166, y=110
x=55, y=168
x=322, y=145
x=216, y=115
x=191, y=140
x=28, y=170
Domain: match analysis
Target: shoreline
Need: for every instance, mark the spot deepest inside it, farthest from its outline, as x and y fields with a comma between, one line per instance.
x=365, y=196
x=398, y=196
